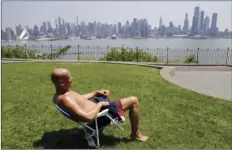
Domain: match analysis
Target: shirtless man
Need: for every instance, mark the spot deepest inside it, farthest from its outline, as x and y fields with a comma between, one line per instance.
x=85, y=110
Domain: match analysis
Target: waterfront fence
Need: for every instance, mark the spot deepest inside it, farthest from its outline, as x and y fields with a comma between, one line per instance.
x=78, y=52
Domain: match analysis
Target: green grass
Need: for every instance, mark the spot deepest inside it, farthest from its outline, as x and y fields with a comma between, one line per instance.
x=171, y=116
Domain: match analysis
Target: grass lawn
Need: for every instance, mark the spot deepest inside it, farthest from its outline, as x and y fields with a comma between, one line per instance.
x=171, y=116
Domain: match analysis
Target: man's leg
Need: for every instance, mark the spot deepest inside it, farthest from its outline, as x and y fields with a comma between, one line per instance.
x=132, y=104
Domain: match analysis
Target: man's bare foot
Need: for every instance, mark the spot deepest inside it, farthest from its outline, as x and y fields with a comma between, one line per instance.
x=139, y=137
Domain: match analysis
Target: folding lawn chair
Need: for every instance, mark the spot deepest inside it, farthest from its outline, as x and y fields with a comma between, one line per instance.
x=92, y=130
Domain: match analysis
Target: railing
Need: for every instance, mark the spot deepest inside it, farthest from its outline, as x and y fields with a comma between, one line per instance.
x=168, y=55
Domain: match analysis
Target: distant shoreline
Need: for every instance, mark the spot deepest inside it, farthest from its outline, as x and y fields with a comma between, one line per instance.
x=57, y=39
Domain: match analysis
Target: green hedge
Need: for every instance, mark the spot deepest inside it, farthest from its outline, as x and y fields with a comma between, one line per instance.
x=19, y=52
x=129, y=55
x=191, y=59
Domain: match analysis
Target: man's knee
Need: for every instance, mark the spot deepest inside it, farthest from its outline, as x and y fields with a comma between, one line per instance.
x=107, y=92
x=134, y=100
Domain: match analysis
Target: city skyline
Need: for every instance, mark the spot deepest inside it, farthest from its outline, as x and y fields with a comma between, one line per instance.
x=222, y=22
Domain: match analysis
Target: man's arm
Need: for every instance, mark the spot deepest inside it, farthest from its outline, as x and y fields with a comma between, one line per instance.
x=78, y=112
x=94, y=93
x=89, y=95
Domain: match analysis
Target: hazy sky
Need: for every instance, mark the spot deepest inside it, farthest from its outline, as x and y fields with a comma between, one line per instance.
x=31, y=13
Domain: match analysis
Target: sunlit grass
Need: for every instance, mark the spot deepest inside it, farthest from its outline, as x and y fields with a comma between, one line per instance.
x=171, y=116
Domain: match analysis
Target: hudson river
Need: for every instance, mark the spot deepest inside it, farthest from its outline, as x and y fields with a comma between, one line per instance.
x=141, y=43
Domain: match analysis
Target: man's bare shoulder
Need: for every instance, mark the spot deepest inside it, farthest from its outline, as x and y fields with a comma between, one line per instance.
x=59, y=98
x=71, y=95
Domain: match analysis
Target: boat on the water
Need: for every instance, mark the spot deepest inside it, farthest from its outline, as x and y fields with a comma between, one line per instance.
x=197, y=37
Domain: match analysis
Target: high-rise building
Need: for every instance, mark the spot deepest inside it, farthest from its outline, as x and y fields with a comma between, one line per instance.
x=171, y=24
x=160, y=22
x=49, y=27
x=134, y=27
x=18, y=30
x=115, y=29
x=44, y=28
x=8, y=34
x=31, y=32
x=214, y=29
x=119, y=27
x=68, y=28
x=206, y=24
x=186, y=24
x=36, y=30
x=201, y=27
x=3, y=35
x=72, y=26
x=63, y=22
x=160, y=26
x=195, y=23
x=59, y=22
x=179, y=29
x=57, y=27
x=41, y=29
x=77, y=21
x=214, y=21
x=13, y=35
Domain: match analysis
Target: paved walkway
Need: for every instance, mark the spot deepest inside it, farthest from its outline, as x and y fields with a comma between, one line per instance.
x=213, y=81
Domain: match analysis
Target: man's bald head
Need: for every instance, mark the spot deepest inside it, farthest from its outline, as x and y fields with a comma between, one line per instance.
x=59, y=73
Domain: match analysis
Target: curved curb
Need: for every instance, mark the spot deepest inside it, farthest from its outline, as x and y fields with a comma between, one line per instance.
x=6, y=61
x=168, y=72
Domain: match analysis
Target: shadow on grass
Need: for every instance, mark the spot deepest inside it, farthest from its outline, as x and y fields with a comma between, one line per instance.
x=72, y=139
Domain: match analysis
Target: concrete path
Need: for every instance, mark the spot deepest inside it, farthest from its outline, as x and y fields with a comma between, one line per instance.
x=212, y=81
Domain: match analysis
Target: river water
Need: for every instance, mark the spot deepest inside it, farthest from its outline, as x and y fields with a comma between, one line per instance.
x=211, y=51
x=142, y=43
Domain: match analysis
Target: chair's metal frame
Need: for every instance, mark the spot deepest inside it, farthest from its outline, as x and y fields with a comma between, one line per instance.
x=95, y=132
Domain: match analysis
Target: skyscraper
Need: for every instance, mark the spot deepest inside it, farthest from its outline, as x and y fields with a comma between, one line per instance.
x=36, y=30
x=160, y=26
x=8, y=34
x=13, y=36
x=201, y=27
x=214, y=29
x=160, y=22
x=134, y=27
x=206, y=24
x=119, y=27
x=214, y=21
x=49, y=25
x=195, y=23
x=44, y=28
x=63, y=22
x=186, y=24
x=77, y=21
x=18, y=29
x=59, y=22
x=57, y=28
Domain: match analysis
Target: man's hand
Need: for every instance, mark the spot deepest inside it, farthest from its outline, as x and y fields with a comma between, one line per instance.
x=103, y=92
x=104, y=104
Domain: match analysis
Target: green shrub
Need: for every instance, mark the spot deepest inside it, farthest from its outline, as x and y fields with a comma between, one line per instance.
x=19, y=52
x=60, y=52
x=191, y=59
x=13, y=52
x=129, y=55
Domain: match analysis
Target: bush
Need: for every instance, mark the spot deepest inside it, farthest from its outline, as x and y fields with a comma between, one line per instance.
x=191, y=59
x=13, y=52
x=60, y=52
x=124, y=55
x=19, y=52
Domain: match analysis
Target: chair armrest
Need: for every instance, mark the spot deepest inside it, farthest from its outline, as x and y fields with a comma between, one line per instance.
x=102, y=113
